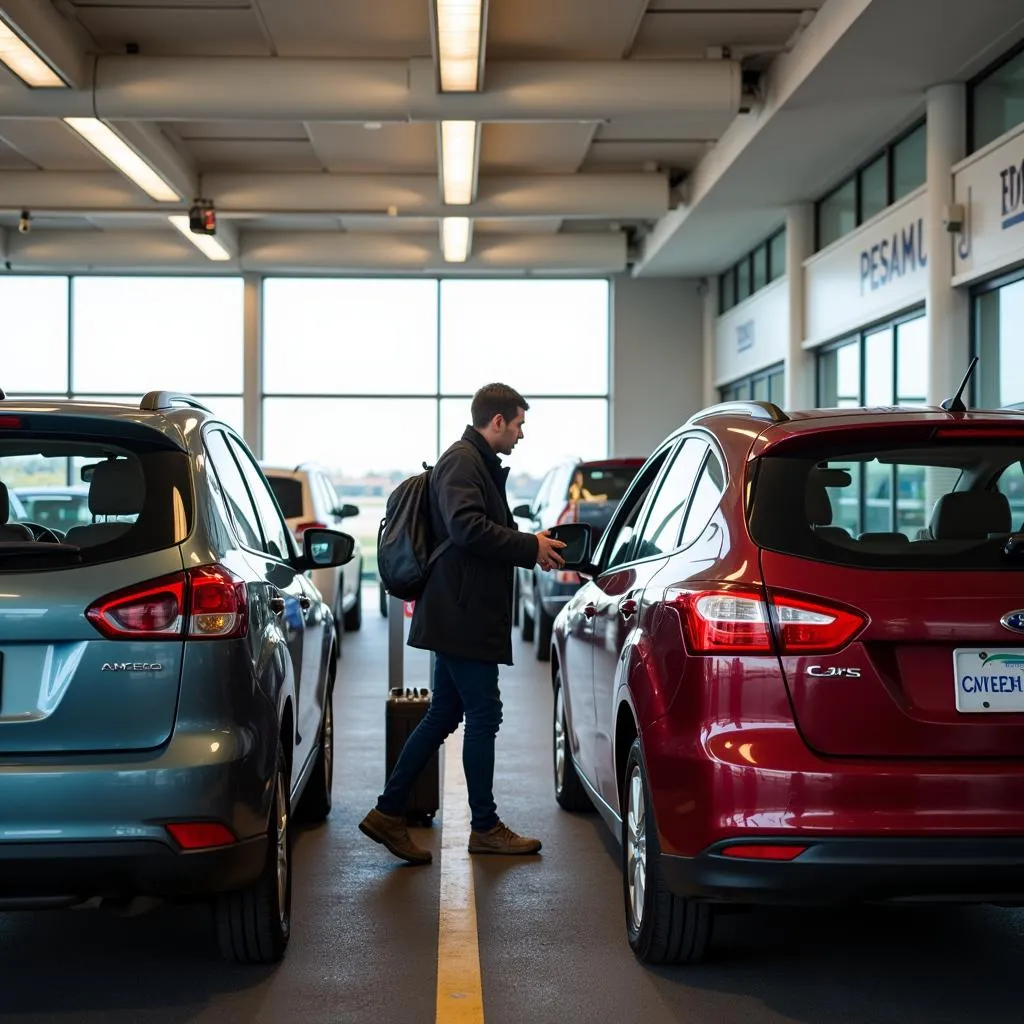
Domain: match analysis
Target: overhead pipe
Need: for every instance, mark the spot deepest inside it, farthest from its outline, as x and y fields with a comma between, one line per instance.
x=642, y=196
x=321, y=89
x=314, y=252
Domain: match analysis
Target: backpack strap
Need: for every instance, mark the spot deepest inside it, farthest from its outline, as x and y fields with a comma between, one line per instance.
x=439, y=551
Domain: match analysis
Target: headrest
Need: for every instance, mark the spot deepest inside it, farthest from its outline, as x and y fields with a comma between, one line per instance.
x=970, y=515
x=5, y=504
x=117, y=488
x=817, y=506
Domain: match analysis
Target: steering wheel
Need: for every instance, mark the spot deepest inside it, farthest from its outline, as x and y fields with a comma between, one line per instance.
x=44, y=533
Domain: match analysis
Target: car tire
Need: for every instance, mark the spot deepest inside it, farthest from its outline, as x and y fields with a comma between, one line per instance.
x=525, y=621
x=383, y=602
x=542, y=628
x=316, y=801
x=569, y=791
x=354, y=616
x=662, y=928
x=254, y=924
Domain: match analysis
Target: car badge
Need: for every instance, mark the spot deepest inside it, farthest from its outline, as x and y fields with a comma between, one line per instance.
x=1014, y=620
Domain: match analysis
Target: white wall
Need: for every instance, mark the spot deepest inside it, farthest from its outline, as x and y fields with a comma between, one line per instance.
x=753, y=335
x=657, y=360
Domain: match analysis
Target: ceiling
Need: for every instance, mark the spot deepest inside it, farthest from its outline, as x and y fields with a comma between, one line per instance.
x=313, y=127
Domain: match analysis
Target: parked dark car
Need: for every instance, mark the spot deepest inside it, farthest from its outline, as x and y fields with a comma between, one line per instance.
x=166, y=672
x=767, y=707
x=574, y=491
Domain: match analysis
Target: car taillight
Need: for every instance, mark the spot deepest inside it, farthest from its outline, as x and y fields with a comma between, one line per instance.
x=763, y=851
x=200, y=835
x=207, y=602
x=301, y=528
x=742, y=622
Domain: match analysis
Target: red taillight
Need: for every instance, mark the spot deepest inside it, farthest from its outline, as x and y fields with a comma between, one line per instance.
x=10, y=422
x=207, y=602
x=749, y=851
x=301, y=528
x=741, y=622
x=200, y=835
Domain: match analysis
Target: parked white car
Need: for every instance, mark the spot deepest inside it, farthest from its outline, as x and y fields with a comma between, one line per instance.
x=308, y=499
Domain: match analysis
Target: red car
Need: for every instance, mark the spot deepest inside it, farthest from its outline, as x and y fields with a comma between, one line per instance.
x=768, y=703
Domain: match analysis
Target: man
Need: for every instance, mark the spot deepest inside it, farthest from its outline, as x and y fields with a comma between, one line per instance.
x=465, y=617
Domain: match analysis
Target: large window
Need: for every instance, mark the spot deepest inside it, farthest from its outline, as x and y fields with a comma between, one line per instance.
x=758, y=268
x=764, y=386
x=999, y=341
x=886, y=178
x=996, y=100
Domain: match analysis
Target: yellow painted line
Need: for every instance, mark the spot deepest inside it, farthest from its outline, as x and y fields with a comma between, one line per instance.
x=459, y=988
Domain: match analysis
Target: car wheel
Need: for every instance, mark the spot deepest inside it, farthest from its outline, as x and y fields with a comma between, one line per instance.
x=569, y=791
x=383, y=601
x=542, y=627
x=316, y=800
x=354, y=616
x=525, y=621
x=662, y=928
x=254, y=924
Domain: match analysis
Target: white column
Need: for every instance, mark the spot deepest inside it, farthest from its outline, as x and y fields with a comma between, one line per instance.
x=252, y=380
x=948, y=309
x=800, y=365
x=709, y=287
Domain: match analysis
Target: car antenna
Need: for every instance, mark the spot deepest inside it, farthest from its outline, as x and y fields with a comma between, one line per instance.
x=956, y=403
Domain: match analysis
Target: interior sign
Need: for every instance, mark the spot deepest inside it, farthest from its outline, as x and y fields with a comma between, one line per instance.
x=745, y=336
x=893, y=257
x=1013, y=194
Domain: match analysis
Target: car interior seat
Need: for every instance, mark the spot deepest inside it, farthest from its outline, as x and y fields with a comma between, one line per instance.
x=117, y=488
x=11, y=531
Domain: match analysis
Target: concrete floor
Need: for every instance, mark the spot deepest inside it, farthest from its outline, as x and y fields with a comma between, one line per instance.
x=552, y=944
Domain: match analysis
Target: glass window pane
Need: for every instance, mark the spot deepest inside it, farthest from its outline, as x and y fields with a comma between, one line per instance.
x=727, y=289
x=555, y=429
x=706, y=497
x=233, y=491
x=839, y=377
x=999, y=319
x=1011, y=483
x=777, y=255
x=274, y=529
x=874, y=188
x=879, y=383
x=760, y=389
x=35, y=334
x=136, y=334
x=777, y=387
x=912, y=361
x=661, y=530
x=540, y=337
x=743, y=280
x=998, y=102
x=350, y=337
x=908, y=164
x=760, y=266
x=837, y=214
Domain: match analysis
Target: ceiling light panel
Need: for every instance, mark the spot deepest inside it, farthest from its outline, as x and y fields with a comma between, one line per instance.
x=455, y=237
x=25, y=62
x=459, y=143
x=206, y=244
x=459, y=26
x=111, y=146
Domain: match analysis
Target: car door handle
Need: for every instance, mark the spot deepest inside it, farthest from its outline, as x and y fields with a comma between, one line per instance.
x=304, y=602
x=277, y=605
x=628, y=608
x=590, y=610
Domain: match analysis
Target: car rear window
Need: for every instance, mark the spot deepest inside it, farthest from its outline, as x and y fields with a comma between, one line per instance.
x=601, y=483
x=288, y=492
x=943, y=504
x=139, y=500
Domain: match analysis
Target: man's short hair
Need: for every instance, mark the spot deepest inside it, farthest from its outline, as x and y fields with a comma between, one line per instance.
x=496, y=400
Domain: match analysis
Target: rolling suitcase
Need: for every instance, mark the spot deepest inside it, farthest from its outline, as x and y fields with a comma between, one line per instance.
x=403, y=711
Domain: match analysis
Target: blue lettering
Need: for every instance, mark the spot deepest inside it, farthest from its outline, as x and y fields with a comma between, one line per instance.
x=964, y=684
x=1005, y=177
x=909, y=250
x=895, y=264
x=865, y=270
x=922, y=259
x=875, y=284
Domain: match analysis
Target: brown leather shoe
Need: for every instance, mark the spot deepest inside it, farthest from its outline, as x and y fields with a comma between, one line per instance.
x=391, y=832
x=501, y=839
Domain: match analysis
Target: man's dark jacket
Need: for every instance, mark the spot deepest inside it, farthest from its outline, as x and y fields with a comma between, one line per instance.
x=465, y=611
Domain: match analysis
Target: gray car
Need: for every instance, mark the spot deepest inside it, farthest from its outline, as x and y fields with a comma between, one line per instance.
x=166, y=671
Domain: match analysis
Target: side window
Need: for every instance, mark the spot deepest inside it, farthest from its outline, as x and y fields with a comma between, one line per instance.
x=330, y=494
x=623, y=526
x=706, y=497
x=274, y=528
x=1011, y=483
x=661, y=530
x=240, y=507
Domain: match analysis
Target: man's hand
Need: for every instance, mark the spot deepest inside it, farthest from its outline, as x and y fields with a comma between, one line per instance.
x=547, y=551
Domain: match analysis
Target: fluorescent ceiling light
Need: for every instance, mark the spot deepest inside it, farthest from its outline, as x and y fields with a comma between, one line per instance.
x=459, y=35
x=455, y=235
x=110, y=145
x=206, y=244
x=25, y=62
x=458, y=161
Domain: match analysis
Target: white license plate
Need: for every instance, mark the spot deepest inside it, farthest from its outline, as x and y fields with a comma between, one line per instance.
x=989, y=680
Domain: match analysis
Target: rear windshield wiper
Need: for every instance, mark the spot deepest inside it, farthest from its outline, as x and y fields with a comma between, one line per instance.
x=21, y=549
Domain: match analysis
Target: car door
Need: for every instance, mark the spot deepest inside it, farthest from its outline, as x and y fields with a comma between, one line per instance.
x=623, y=612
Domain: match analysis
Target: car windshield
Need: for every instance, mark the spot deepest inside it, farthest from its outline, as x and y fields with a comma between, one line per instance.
x=138, y=499
x=288, y=492
x=601, y=483
x=944, y=504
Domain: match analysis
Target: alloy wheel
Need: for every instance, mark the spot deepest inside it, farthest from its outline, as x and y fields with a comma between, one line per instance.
x=328, y=741
x=560, y=751
x=636, y=847
x=281, y=800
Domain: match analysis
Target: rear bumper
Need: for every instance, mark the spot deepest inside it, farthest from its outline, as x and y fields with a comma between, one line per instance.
x=56, y=873
x=857, y=870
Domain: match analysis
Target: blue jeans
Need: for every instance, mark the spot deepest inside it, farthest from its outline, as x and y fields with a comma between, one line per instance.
x=460, y=686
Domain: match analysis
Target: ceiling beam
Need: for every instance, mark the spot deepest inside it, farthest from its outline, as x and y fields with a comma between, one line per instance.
x=302, y=89
x=573, y=196
x=61, y=43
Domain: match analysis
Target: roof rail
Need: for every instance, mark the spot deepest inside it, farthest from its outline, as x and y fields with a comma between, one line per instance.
x=758, y=410
x=156, y=401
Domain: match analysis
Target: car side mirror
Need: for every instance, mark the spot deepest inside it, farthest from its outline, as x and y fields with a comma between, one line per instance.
x=578, y=539
x=522, y=512
x=322, y=549
x=345, y=511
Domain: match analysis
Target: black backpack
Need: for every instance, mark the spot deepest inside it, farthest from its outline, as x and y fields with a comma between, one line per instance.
x=405, y=541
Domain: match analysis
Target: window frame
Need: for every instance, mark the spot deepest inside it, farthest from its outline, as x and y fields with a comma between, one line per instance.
x=748, y=259
x=750, y=380
x=979, y=79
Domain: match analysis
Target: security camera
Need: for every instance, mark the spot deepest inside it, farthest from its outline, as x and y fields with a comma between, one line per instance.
x=25, y=222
